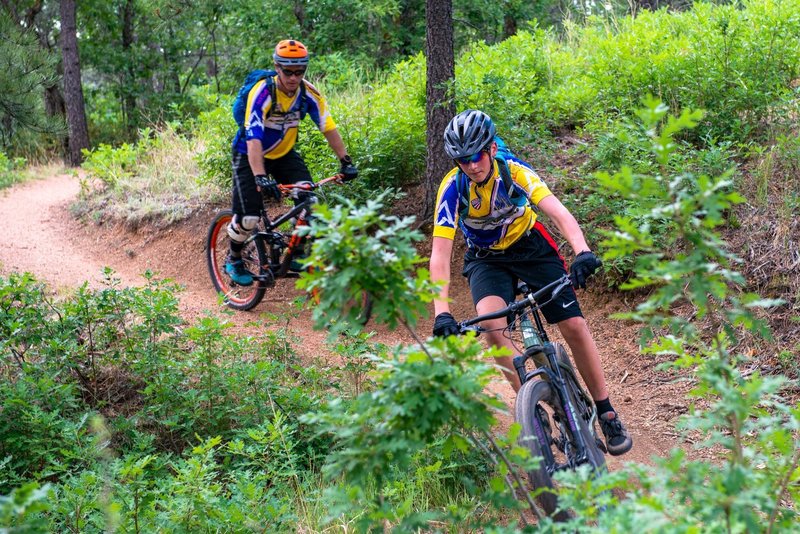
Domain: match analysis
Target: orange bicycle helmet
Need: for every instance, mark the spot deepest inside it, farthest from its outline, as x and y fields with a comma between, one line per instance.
x=290, y=52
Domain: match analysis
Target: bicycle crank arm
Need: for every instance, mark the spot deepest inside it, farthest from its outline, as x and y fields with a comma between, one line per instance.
x=266, y=279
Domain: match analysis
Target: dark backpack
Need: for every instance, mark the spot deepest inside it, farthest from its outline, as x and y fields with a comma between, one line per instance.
x=255, y=76
x=515, y=193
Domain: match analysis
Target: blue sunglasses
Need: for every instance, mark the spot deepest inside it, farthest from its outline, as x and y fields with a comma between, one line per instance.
x=475, y=158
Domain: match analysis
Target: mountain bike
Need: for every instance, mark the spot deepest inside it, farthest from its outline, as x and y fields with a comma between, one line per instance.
x=557, y=415
x=269, y=252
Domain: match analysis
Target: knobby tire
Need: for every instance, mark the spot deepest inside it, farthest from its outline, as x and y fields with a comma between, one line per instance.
x=238, y=297
x=536, y=438
x=539, y=441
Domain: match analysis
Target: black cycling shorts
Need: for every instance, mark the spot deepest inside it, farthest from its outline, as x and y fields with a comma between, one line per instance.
x=535, y=260
x=287, y=169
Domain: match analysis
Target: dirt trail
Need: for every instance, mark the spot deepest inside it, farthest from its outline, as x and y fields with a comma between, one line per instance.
x=41, y=237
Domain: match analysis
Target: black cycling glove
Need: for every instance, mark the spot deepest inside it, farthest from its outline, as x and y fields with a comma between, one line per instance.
x=348, y=170
x=445, y=325
x=585, y=264
x=269, y=187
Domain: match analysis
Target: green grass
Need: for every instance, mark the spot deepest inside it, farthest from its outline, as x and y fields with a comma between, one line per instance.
x=156, y=180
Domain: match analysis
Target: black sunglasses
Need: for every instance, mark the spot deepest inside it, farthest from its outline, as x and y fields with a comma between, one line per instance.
x=288, y=72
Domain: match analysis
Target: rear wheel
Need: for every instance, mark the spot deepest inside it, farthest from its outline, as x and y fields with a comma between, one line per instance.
x=254, y=256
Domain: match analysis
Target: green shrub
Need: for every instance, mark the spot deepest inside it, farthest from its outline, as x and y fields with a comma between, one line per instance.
x=752, y=430
x=124, y=350
x=215, y=130
x=9, y=170
x=20, y=511
x=365, y=251
x=383, y=126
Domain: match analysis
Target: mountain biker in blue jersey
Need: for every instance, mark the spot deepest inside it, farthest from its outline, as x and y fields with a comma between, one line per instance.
x=263, y=149
x=505, y=243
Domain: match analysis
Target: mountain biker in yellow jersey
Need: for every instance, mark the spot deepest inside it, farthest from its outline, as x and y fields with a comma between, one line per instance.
x=493, y=207
x=263, y=149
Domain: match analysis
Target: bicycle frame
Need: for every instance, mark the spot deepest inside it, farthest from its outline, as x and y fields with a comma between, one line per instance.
x=282, y=253
x=539, y=348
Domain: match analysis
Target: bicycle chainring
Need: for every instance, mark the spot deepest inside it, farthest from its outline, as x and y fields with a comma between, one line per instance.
x=267, y=278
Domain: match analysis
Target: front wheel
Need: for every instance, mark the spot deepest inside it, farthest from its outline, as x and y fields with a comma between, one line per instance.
x=546, y=434
x=255, y=258
x=535, y=410
x=364, y=305
x=361, y=307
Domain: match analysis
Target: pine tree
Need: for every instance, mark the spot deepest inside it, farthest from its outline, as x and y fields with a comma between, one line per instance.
x=25, y=71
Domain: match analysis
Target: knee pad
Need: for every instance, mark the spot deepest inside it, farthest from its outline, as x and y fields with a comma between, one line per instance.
x=239, y=231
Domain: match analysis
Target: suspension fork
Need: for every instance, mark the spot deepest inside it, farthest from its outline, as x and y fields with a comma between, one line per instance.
x=543, y=352
x=557, y=380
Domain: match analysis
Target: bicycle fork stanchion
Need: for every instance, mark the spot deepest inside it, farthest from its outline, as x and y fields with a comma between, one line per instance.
x=547, y=367
x=557, y=379
x=519, y=366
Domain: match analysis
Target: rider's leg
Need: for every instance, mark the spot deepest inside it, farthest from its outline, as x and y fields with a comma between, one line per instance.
x=247, y=204
x=576, y=334
x=239, y=230
x=291, y=169
x=496, y=338
x=581, y=343
x=492, y=288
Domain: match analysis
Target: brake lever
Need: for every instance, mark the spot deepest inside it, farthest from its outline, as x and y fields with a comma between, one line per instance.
x=462, y=329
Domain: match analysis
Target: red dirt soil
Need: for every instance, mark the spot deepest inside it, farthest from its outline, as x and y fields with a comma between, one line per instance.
x=44, y=239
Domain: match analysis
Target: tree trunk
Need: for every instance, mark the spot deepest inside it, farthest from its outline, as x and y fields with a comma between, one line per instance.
x=439, y=107
x=128, y=99
x=54, y=105
x=299, y=10
x=73, y=89
x=509, y=25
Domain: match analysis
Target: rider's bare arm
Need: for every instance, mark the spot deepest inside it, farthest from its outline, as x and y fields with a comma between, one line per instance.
x=335, y=141
x=565, y=222
x=255, y=156
x=441, y=251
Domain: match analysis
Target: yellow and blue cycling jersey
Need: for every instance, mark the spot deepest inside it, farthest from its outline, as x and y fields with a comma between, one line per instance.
x=493, y=220
x=277, y=130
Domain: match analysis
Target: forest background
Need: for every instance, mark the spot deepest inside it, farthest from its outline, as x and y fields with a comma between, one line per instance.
x=567, y=82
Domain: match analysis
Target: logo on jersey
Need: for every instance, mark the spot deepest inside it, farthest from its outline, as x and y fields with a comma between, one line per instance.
x=255, y=120
x=476, y=203
x=445, y=218
x=283, y=121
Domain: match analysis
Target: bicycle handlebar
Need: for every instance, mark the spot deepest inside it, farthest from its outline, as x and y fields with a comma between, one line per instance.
x=530, y=300
x=288, y=189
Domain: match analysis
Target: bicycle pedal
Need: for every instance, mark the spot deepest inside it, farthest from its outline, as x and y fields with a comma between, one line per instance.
x=267, y=279
x=601, y=445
